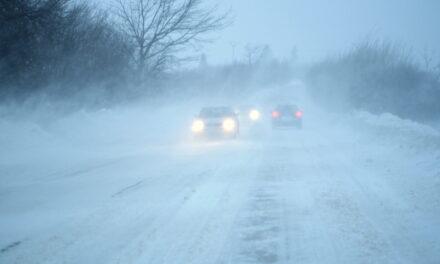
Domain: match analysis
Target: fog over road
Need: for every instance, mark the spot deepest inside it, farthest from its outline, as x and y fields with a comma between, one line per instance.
x=330, y=193
x=330, y=113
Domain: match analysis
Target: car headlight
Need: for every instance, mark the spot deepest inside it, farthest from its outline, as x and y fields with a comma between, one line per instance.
x=197, y=126
x=254, y=115
x=229, y=124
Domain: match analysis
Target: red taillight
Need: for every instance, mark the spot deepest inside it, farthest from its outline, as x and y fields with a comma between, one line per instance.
x=298, y=114
x=275, y=114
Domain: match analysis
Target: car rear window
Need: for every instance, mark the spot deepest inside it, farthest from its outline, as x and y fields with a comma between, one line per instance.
x=287, y=108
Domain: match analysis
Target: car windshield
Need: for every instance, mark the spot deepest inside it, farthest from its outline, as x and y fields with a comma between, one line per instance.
x=216, y=112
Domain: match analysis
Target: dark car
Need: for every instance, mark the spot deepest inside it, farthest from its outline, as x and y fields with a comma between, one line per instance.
x=216, y=122
x=287, y=115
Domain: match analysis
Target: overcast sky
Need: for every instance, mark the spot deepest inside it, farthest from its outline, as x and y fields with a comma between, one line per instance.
x=321, y=27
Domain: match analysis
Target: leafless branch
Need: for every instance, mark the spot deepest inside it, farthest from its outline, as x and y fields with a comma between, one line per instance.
x=159, y=29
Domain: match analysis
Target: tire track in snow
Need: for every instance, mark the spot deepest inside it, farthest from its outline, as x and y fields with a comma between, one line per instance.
x=395, y=231
x=351, y=212
x=259, y=235
x=128, y=188
x=87, y=169
x=351, y=234
x=199, y=229
x=73, y=244
x=10, y=246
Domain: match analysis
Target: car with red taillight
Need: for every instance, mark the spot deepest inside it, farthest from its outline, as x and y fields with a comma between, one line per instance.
x=287, y=115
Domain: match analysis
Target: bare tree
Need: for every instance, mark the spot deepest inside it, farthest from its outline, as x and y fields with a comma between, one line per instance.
x=234, y=45
x=427, y=59
x=159, y=29
x=252, y=53
x=437, y=71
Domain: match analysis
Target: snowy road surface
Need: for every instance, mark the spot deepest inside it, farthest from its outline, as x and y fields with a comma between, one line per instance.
x=320, y=195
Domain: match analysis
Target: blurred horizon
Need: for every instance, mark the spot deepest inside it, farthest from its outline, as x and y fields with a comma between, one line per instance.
x=317, y=29
x=321, y=28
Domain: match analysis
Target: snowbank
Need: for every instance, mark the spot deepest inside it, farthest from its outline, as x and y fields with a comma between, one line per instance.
x=394, y=130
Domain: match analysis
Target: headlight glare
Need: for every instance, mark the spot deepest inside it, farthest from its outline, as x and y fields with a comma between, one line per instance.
x=254, y=115
x=197, y=126
x=229, y=124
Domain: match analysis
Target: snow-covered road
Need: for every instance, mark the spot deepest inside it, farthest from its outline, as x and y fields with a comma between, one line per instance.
x=324, y=194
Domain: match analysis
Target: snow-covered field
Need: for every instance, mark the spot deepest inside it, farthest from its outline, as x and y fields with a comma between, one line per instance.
x=129, y=186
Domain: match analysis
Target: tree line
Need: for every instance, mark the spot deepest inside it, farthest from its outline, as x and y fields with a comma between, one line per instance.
x=377, y=76
x=66, y=47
